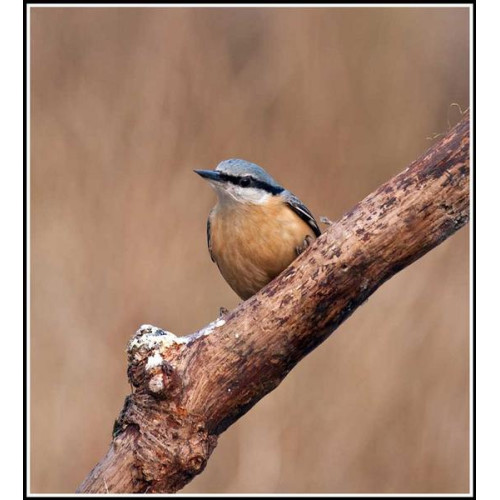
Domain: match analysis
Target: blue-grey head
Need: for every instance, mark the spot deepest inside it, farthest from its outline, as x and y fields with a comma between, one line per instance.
x=240, y=181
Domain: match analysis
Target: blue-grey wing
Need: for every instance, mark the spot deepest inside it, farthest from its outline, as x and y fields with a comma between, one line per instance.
x=302, y=211
x=209, y=238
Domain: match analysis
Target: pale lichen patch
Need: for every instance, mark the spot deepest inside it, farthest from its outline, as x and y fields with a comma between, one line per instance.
x=151, y=337
x=207, y=330
x=156, y=384
x=154, y=361
x=212, y=326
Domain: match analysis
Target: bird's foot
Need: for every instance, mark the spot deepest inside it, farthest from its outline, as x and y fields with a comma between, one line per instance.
x=223, y=312
x=326, y=221
x=307, y=241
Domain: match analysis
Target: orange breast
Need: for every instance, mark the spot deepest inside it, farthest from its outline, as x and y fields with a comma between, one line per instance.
x=252, y=243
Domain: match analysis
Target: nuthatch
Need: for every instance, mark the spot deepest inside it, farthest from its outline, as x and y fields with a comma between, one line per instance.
x=257, y=228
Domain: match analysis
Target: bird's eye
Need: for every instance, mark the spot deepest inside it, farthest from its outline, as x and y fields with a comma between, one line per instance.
x=244, y=182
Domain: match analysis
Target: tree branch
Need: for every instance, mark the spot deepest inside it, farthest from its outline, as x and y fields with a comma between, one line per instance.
x=188, y=390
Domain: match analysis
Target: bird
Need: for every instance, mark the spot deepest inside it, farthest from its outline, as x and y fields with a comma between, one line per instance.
x=257, y=227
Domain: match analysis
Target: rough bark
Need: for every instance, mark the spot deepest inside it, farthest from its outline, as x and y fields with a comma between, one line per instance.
x=188, y=390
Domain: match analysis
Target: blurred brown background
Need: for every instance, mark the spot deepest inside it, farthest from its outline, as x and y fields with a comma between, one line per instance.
x=125, y=103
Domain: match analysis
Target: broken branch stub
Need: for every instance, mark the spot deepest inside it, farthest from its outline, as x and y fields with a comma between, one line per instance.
x=188, y=390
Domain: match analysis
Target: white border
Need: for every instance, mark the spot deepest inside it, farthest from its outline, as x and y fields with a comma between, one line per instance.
x=256, y=5
x=12, y=238
x=28, y=244
x=471, y=229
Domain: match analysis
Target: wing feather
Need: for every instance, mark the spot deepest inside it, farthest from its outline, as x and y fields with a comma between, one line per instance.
x=209, y=241
x=303, y=212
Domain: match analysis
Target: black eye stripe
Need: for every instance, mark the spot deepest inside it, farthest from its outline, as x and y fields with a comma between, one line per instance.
x=255, y=183
x=267, y=187
x=233, y=179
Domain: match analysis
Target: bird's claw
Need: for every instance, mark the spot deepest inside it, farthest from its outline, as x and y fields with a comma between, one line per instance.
x=223, y=312
x=307, y=241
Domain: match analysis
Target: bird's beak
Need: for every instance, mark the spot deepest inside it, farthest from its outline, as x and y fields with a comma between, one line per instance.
x=211, y=175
